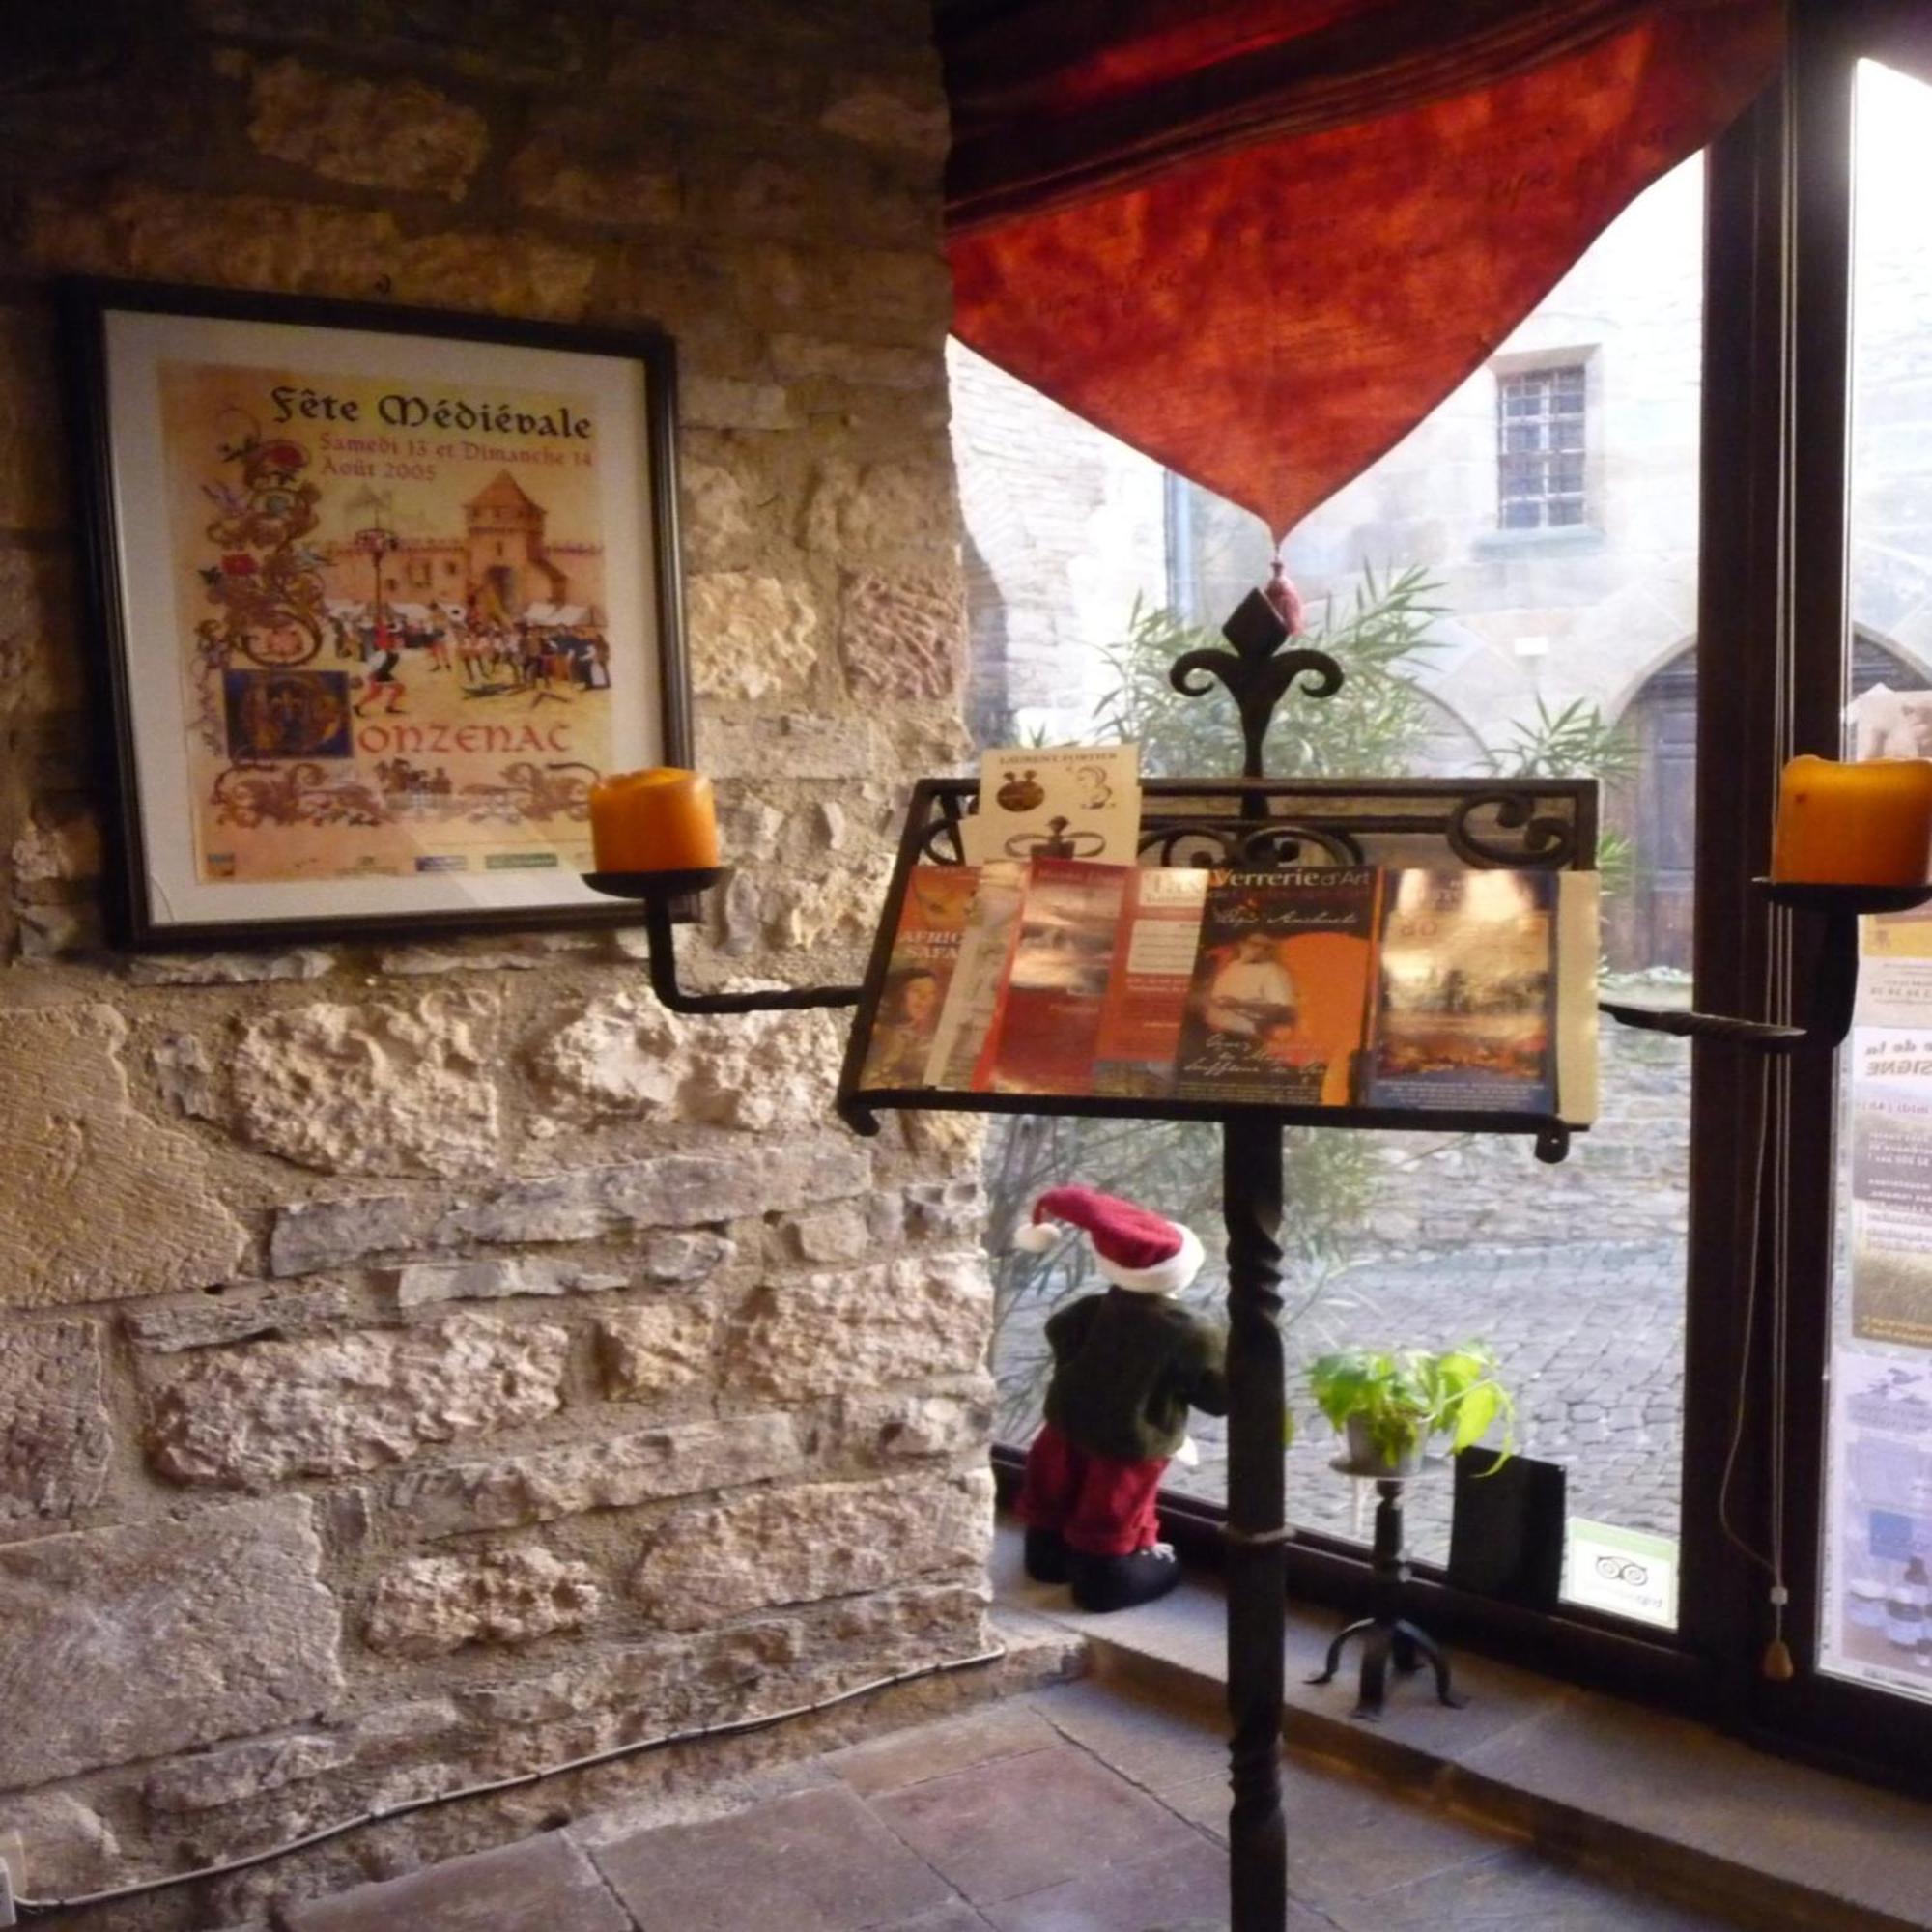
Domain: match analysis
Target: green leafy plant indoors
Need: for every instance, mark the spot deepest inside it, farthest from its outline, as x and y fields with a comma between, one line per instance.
x=1404, y=1398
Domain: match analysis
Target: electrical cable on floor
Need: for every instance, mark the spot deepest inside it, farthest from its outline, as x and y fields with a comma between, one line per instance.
x=40, y=1908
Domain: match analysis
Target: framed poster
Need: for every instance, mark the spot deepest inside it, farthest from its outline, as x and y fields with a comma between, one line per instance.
x=377, y=594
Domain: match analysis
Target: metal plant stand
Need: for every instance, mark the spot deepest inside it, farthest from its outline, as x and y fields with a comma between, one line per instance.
x=1254, y=822
x=1388, y=1638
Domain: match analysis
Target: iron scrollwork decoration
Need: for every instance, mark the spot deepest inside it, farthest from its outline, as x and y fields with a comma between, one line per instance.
x=1258, y=673
x=1546, y=843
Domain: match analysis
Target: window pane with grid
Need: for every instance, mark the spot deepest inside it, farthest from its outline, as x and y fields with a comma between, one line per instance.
x=1540, y=449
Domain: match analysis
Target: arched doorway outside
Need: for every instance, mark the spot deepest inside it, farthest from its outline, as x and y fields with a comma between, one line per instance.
x=1648, y=923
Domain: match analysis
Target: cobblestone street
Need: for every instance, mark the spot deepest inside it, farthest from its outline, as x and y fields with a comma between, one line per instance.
x=1472, y=1241
x=1590, y=1341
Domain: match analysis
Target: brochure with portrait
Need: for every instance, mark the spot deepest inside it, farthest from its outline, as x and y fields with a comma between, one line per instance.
x=1060, y=801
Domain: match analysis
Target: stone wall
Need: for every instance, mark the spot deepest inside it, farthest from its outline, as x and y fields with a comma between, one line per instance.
x=425, y=1362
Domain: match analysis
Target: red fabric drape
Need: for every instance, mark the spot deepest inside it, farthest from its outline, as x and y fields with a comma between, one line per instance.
x=1268, y=315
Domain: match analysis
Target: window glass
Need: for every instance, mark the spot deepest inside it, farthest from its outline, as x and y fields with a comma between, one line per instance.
x=1876, y=1604
x=1512, y=591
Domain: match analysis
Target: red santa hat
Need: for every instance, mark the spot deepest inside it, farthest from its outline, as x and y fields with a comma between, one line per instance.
x=1136, y=1248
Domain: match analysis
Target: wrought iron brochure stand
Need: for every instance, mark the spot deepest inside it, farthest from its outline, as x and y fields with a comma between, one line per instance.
x=1257, y=822
x=1254, y=822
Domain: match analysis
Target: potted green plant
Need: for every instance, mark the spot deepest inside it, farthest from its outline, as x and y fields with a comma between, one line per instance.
x=1390, y=1403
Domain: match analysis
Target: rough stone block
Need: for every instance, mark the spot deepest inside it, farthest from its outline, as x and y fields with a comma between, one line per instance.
x=229, y=1601
x=954, y=1614
x=656, y=1349
x=815, y=1540
x=97, y=1201
x=917, y=1425
x=613, y=1472
x=881, y=115
x=672, y=1191
x=432, y=1605
x=866, y=363
x=55, y=1431
x=838, y=1233
x=676, y=1257
x=246, y=1312
x=39, y=672
x=386, y=1088
x=527, y=44
x=791, y=745
x=326, y=1407
x=945, y=1210
x=70, y=1847
x=57, y=848
x=650, y=1677
x=308, y=1236
x=675, y=1190
x=721, y=402
x=244, y=241
x=494, y=1280
x=395, y=133
x=913, y=1318
x=231, y=1773
x=32, y=495
x=716, y=522
x=617, y=1058
x=228, y=969
x=904, y=635
x=752, y=635
x=401, y=1728
x=856, y=507
x=552, y=172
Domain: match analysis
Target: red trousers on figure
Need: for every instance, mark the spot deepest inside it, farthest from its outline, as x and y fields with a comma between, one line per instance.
x=1100, y=1506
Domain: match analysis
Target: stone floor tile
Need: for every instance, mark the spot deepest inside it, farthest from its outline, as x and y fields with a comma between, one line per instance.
x=1030, y=1822
x=1190, y=1882
x=932, y=1750
x=544, y=1881
x=817, y=1862
x=1345, y=1837
x=1514, y=1891
x=958, y=1916
x=1144, y=1741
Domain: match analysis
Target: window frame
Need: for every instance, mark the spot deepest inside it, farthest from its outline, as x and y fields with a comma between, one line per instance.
x=1549, y=366
x=1774, y=638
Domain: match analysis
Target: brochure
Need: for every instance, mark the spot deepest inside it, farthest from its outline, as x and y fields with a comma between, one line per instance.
x=1280, y=1002
x=1083, y=798
x=1048, y=1021
x=926, y=950
x=986, y=953
x=1147, y=997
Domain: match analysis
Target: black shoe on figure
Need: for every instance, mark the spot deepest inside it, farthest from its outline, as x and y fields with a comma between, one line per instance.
x=1046, y=1557
x=1104, y=1584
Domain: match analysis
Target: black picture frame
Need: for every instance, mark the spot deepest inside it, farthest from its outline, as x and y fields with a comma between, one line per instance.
x=132, y=916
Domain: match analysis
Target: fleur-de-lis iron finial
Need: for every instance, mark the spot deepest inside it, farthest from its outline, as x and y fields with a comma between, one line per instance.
x=1257, y=672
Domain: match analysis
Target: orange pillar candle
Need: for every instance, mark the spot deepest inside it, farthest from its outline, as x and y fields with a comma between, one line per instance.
x=662, y=820
x=1867, y=824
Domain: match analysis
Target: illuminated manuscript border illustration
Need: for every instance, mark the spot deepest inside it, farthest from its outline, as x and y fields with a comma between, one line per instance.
x=382, y=595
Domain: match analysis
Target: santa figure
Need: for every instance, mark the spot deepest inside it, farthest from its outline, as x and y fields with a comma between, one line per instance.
x=1128, y=1366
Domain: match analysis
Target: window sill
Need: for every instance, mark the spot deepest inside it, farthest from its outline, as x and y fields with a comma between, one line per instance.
x=1568, y=541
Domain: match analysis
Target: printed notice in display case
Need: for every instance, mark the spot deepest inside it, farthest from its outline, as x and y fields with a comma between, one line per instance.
x=1876, y=1604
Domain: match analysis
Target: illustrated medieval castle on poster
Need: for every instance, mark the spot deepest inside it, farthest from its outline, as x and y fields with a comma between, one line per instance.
x=501, y=568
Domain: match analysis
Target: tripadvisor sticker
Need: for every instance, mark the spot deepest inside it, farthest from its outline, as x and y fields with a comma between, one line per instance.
x=1629, y=1572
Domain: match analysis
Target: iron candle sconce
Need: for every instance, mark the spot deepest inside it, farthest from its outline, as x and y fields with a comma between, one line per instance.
x=1835, y=980
x=656, y=892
